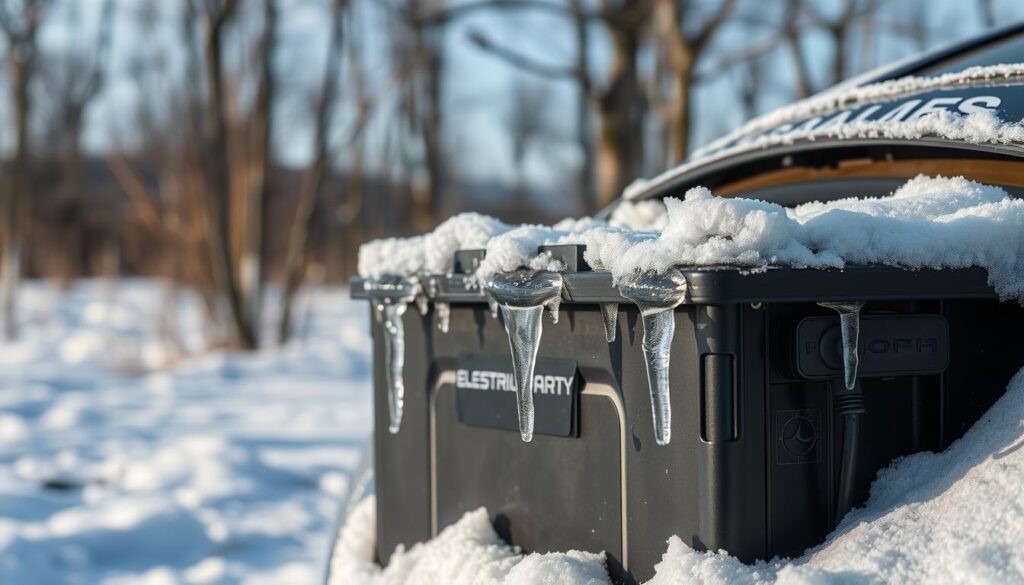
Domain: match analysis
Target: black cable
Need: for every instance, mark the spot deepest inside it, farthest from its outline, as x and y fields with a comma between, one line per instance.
x=849, y=405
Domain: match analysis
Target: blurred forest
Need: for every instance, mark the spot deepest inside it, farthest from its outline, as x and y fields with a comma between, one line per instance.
x=243, y=148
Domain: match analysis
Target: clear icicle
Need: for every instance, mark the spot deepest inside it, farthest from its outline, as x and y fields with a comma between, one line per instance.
x=444, y=316
x=394, y=358
x=849, y=326
x=390, y=297
x=656, y=295
x=423, y=304
x=522, y=297
x=610, y=315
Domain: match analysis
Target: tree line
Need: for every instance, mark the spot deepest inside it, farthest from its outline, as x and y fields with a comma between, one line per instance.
x=191, y=184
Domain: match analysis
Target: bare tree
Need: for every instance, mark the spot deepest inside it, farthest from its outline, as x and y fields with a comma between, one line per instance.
x=584, y=133
x=684, y=50
x=527, y=124
x=418, y=53
x=72, y=81
x=792, y=26
x=839, y=30
x=313, y=182
x=988, y=13
x=254, y=247
x=20, y=23
x=214, y=16
x=619, y=104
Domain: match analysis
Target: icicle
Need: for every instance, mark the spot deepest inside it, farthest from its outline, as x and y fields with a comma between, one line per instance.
x=522, y=297
x=378, y=311
x=553, y=308
x=610, y=314
x=391, y=296
x=423, y=304
x=656, y=295
x=849, y=323
x=444, y=316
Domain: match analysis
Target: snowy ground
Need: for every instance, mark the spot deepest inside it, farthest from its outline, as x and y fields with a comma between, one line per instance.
x=950, y=517
x=118, y=468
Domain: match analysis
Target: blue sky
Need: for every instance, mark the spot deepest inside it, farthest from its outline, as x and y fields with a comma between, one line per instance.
x=478, y=84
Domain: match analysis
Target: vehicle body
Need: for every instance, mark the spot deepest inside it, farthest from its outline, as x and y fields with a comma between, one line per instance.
x=754, y=463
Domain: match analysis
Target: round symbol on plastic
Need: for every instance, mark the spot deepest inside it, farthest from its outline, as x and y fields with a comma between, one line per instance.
x=799, y=436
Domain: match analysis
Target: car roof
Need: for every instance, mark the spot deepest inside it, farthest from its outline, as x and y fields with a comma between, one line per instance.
x=702, y=169
x=927, y=60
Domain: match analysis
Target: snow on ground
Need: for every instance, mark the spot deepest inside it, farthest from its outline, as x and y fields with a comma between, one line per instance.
x=468, y=552
x=116, y=468
x=950, y=517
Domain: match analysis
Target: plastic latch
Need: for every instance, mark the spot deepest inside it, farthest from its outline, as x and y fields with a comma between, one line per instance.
x=570, y=255
x=467, y=261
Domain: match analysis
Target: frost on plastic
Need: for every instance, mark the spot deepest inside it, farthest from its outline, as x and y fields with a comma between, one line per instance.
x=522, y=296
x=849, y=323
x=610, y=316
x=444, y=316
x=390, y=297
x=656, y=295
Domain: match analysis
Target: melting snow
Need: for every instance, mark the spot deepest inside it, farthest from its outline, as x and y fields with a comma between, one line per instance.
x=930, y=222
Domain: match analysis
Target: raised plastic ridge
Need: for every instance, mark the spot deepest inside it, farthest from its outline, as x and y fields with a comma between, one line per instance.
x=729, y=285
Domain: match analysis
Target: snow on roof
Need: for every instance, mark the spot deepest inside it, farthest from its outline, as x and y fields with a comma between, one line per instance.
x=950, y=517
x=831, y=100
x=929, y=222
x=431, y=253
x=778, y=126
x=509, y=247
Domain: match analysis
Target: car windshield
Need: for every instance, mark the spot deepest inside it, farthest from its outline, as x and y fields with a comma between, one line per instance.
x=1008, y=50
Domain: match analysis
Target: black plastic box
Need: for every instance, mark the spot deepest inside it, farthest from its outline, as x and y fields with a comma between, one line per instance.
x=753, y=463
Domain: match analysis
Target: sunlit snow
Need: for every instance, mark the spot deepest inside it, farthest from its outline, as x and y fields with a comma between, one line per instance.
x=120, y=464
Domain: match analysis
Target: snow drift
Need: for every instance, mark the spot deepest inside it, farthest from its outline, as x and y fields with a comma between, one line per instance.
x=468, y=552
x=950, y=517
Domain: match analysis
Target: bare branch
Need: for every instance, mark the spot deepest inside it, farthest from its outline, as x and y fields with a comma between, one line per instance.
x=520, y=61
x=713, y=24
x=138, y=193
x=451, y=13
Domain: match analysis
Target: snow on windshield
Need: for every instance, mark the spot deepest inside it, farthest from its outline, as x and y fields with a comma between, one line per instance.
x=854, y=112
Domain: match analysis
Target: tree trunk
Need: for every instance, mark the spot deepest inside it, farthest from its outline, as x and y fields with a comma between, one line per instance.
x=218, y=184
x=426, y=112
x=15, y=201
x=254, y=251
x=584, y=135
x=681, y=113
x=312, y=184
x=620, y=139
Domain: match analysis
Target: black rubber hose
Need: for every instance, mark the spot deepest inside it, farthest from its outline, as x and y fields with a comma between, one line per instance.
x=848, y=464
x=849, y=405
